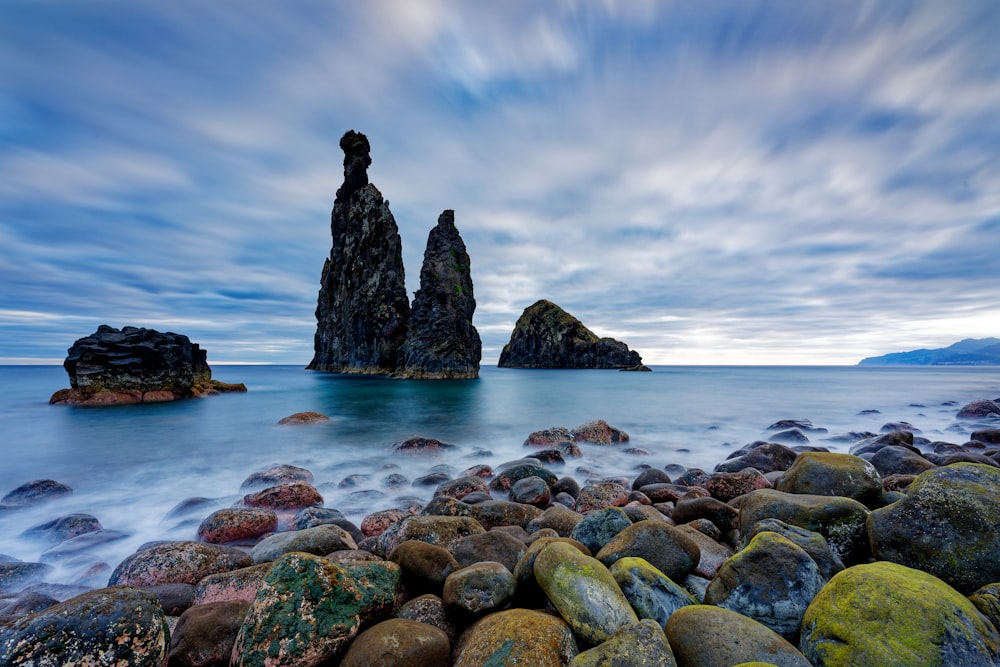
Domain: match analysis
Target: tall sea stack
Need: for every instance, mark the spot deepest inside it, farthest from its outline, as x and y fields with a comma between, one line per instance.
x=441, y=341
x=363, y=309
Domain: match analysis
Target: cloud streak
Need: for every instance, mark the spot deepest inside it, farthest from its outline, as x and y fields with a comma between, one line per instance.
x=712, y=183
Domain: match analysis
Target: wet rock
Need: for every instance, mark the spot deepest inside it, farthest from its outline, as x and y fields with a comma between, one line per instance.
x=305, y=612
x=712, y=554
x=191, y=506
x=493, y=545
x=441, y=341
x=176, y=562
x=443, y=531
x=79, y=546
x=663, y=546
x=63, y=528
x=399, y=643
x=989, y=435
x=891, y=439
x=601, y=495
x=304, y=418
x=651, y=593
x=461, y=487
x=288, y=496
x=418, y=443
x=531, y=491
x=812, y=543
x=792, y=436
x=493, y=513
x=661, y=492
x=599, y=432
x=688, y=509
x=478, y=589
x=528, y=590
x=480, y=470
x=583, y=591
x=709, y=636
x=765, y=457
x=16, y=575
x=640, y=645
x=23, y=604
x=109, y=626
x=979, y=409
x=883, y=613
x=173, y=598
x=548, y=437
x=946, y=525
x=204, y=635
x=831, y=474
x=987, y=601
x=381, y=586
x=892, y=460
x=237, y=524
x=237, y=585
x=35, y=492
x=274, y=475
x=772, y=580
x=651, y=476
x=318, y=541
x=377, y=523
x=425, y=567
x=840, y=520
x=507, y=477
x=598, y=527
x=725, y=486
x=310, y=517
x=429, y=610
x=516, y=637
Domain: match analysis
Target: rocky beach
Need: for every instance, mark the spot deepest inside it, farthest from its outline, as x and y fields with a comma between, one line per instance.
x=783, y=554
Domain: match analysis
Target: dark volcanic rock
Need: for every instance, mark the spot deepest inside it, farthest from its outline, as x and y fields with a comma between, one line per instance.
x=441, y=341
x=546, y=336
x=363, y=309
x=133, y=365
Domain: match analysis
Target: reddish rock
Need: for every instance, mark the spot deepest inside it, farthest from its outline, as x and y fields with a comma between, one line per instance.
x=418, y=443
x=461, y=487
x=600, y=495
x=599, y=432
x=32, y=493
x=429, y=609
x=176, y=562
x=241, y=584
x=482, y=471
x=236, y=524
x=725, y=486
x=304, y=418
x=376, y=523
x=290, y=496
x=548, y=437
x=277, y=474
x=978, y=409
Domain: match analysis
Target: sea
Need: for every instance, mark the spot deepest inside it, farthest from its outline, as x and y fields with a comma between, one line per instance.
x=129, y=466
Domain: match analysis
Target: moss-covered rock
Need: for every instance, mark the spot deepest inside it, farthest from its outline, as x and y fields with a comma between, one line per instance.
x=528, y=591
x=840, y=520
x=987, y=601
x=641, y=644
x=667, y=549
x=516, y=637
x=650, y=592
x=832, y=474
x=811, y=542
x=381, y=586
x=772, y=580
x=709, y=636
x=887, y=614
x=108, y=626
x=946, y=525
x=306, y=612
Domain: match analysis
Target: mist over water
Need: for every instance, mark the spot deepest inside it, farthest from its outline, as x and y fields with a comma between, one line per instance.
x=129, y=466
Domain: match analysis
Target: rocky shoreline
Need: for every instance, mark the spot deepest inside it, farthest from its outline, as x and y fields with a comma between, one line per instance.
x=784, y=554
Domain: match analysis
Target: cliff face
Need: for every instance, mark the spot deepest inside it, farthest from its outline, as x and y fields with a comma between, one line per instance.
x=546, y=336
x=441, y=341
x=363, y=309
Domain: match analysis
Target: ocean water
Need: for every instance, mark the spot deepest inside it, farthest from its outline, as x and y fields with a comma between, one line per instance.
x=130, y=465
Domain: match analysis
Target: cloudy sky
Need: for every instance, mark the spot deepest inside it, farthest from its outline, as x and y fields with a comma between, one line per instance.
x=711, y=182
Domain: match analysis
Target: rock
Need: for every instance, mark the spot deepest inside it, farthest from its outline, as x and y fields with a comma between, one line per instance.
x=363, y=309
x=425, y=567
x=712, y=553
x=687, y=509
x=830, y=474
x=63, y=528
x=840, y=520
x=478, y=589
x=462, y=486
x=583, y=591
x=989, y=435
x=510, y=475
x=528, y=590
x=133, y=365
x=601, y=495
x=516, y=637
x=987, y=601
x=236, y=524
x=275, y=475
x=891, y=439
x=429, y=610
x=945, y=525
x=812, y=543
x=531, y=491
x=493, y=513
x=304, y=418
x=663, y=546
x=444, y=531
x=650, y=592
x=640, y=645
x=418, y=443
x=399, y=643
x=884, y=613
x=318, y=541
x=16, y=575
x=765, y=457
x=548, y=437
x=725, y=486
x=23, y=604
x=108, y=626
x=377, y=523
x=176, y=562
x=493, y=545
x=241, y=585
x=79, y=545
x=979, y=409
x=441, y=341
x=893, y=460
x=305, y=612
x=310, y=517
x=709, y=636
x=173, y=598
x=651, y=476
x=204, y=635
x=381, y=586
x=287, y=496
x=560, y=519
x=546, y=336
x=772, y=580
x=792, y=436
x=599, y=432
x=35, y=492
x=598, y=527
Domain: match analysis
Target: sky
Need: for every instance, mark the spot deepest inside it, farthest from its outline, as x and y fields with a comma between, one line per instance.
x=711, y=182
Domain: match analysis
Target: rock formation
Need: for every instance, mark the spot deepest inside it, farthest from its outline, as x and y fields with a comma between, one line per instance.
x=133, y=365
x=441, y=341
x=363, y=308
x=546, y=336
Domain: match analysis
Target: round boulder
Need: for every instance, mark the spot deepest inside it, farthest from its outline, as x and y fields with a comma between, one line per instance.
x=399, y=642
x=236, y=524
x=663, y=546
x=318, y=541
x=205, y=634
x=176, y=562
x=516, y=637
x=709, y=636
x=478, y=589
x=641, y=644
x=831, y=474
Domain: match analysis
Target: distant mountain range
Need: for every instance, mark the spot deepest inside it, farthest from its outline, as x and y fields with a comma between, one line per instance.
x=968, y=352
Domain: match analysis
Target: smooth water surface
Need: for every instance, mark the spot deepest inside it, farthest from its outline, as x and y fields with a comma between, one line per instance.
x=130, y=465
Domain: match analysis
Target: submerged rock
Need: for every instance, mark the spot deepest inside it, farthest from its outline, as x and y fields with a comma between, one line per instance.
x=441, y=341
x=363, y=309
x=135, y=365
x=546, y=336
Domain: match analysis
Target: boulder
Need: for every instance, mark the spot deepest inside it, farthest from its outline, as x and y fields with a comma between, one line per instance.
x=531, y=491
x=318, y=541
x=642, y=644
x=241, y=585
x=764, y=456
x=35, y=492
x=308, y=417
x=363, y=309
x=275, y=475
x=176, y=562
x=812, y=543
x=134, y=365
x=599, y=432
x=663, y=546
x=979, y=410
x=725, y=486
x=286, y=496
x=381, y=586
x=494, y=545
x=600, y=495
x=204, y=635
x=63, y=528
x=560, y=519
x=16, y=575
x=549, y=437
x=236, y=524
x=108, y=626
x=598, y=527
x=709, y=636
x=516, y=637
x=831, y=474
x=441, y=341
x=399, y=642
x=462, y=486
x=895, y=460
x=492, y=513
x=546, y=336
x=945, y=525
x=888, y=614
x=425, y=567
x=651, y=593
x=429, y=610
x=478, y=589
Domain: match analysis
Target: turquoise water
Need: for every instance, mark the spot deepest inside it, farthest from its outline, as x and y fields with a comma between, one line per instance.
x=130, y=465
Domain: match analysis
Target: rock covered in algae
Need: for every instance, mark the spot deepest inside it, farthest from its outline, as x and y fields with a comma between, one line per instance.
x=641, y=644
x=888, y=614
x=650, y=592
x=516, y=637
